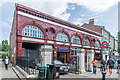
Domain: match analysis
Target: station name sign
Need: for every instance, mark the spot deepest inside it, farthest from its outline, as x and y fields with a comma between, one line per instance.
x=64, y=49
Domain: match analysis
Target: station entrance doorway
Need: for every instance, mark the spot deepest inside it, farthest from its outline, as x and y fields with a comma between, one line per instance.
x=62, y=56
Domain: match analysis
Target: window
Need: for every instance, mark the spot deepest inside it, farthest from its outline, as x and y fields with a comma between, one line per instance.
x=32, y=31
x=76, y=39
x=97, y=44
x=74, y=51
x=86, y=42
x=62, y=37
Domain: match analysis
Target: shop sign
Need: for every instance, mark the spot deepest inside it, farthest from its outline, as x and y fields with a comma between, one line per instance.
x=64, y=49
x=105, y=44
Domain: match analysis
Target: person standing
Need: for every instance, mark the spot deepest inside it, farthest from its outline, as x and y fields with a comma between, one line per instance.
x=6, y=62
x=118, y=66
x=103, y=63
x=110, y=63
x=73, y=61
x=95, y=63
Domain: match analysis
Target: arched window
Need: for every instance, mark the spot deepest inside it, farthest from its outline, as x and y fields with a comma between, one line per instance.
x=62, y=37
x=76, y=39
x=86, y=42
x=32, y=31
x=97, y=44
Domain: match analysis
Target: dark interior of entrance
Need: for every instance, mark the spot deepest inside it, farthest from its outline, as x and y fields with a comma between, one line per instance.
x=31, y=50
x=62, y=56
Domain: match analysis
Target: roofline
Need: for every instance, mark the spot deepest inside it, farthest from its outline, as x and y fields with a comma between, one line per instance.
x=37, y=13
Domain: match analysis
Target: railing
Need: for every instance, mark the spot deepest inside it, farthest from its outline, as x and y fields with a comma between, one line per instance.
x=28, y=65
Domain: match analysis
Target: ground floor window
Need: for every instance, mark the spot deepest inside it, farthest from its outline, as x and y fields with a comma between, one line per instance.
x=74, y=51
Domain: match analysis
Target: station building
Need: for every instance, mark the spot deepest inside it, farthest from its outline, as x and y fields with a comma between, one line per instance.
x=38, y=35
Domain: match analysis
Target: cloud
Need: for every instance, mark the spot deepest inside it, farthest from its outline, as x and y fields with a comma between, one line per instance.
x=78, y=21
x=96, y=5
x=4, y=24
x=57, y=9
x=82, y=15
x=0, y=4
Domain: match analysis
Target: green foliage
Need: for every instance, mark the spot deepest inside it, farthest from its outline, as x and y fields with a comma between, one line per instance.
x=0, y=56
x=4, y=55
x=5, y=46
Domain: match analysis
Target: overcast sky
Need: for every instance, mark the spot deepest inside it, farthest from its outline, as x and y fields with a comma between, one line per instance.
x=104, y=12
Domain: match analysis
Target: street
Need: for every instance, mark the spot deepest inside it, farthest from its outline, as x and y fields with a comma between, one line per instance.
x=7, y=74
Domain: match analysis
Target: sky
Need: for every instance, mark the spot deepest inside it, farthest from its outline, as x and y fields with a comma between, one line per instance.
x=104, y=12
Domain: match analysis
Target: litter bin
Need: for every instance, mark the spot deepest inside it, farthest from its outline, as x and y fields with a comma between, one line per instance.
x=42, y=72
x=50, y=71
x=56, y=72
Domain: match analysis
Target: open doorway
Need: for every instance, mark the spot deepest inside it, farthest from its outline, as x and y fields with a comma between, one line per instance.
x=62, y=56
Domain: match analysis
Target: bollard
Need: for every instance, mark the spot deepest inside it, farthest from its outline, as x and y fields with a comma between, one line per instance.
x=103, y=75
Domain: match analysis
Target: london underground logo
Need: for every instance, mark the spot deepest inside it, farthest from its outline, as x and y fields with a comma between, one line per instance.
x=105, y=44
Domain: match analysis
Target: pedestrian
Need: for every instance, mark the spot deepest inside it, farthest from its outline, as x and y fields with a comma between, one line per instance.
x=110, y=63
x=116, y=63
x=118, y=66
x=106, y=67
x=6, y=62
x=95, y=63
x=73, y=61
x=103, y=63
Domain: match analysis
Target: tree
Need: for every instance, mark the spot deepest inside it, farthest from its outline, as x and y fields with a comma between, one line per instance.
x=5, y=46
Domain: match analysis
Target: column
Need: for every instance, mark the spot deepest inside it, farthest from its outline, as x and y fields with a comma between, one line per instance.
x=90, y=57
x=81, y=54
x=105, y=53
x=46, y=52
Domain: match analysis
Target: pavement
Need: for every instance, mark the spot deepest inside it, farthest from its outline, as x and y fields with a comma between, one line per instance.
x=91, y=75
x=14, y=74
x=7, y=74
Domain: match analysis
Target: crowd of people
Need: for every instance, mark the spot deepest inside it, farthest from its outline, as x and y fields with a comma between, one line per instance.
x=106, y=65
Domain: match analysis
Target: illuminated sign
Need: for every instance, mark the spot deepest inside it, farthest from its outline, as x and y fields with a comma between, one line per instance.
x=64, y=49
x=105, y=44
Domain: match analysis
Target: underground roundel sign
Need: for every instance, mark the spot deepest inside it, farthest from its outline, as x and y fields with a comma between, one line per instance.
x=104, y=44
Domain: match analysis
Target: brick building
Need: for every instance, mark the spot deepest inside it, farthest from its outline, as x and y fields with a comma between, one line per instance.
x=38, y=35
x=113, y=44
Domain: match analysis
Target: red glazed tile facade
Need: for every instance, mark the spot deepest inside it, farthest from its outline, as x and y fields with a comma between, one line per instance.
x=21, y=21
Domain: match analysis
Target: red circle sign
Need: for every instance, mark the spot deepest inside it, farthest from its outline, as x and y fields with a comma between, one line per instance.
x=104, y=44
x=57, y=74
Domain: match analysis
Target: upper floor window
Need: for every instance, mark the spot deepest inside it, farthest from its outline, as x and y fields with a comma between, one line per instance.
x=76, y=39
x=62, y=37
x=86, y=42
x=32, y=31
x=97, y=44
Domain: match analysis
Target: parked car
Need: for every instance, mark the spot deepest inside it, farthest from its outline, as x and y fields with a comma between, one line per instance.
x=64, y=68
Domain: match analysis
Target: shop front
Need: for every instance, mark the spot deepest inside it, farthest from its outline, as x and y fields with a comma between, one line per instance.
x=62, y=54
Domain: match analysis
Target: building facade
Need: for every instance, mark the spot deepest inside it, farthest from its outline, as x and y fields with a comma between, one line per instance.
x=113, y=44
x=37, y=35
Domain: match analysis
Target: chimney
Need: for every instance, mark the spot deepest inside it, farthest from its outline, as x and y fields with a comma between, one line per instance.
x=91, y=21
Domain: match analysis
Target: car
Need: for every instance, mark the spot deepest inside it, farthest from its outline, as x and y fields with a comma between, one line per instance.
x=64, y=68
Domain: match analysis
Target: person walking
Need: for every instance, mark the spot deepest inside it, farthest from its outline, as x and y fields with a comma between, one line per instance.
x=110, y=63
x=118, y=66
x=6, y=62
x=95, y=63
x=103, y=63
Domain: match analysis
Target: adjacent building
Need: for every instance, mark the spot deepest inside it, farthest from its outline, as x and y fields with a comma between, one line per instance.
x=112, y=49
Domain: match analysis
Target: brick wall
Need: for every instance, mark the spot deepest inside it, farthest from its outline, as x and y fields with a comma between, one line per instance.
x=92, y=27
x=13, y=40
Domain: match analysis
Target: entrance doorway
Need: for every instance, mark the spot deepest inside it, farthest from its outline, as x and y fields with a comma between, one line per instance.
x=62, y=56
